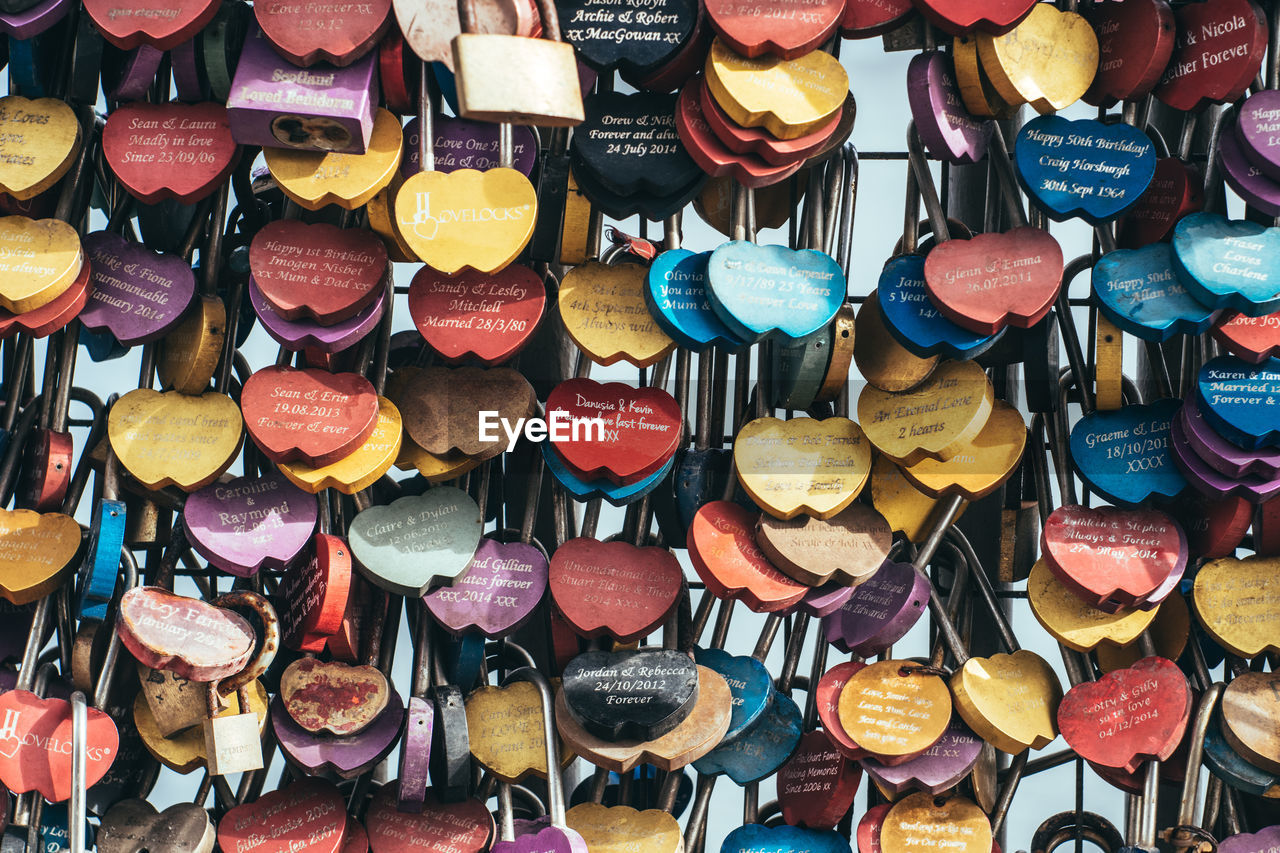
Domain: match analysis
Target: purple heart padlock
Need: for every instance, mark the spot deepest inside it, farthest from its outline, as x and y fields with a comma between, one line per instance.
x=137, y=295
x=250, y=523
x=1255, y=186
x=497, y=593
x=949, y=131
x=1220, y=454
x=30, y=23
x=464, y=144
x=1206, y=479
x=1258, y=130
x=349, y=756
x=307, y=333
x=821, y=601
x=880, y=612
x=1263, y=841
x=938, y=768
x=548, y=839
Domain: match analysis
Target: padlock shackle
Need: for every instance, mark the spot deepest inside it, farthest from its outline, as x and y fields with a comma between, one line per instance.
x=949, y=639
x=16, y=381
x=787, y=680
x=266, y=646
x=111, y=658
x=497, y=656
x=1067, y=326
x=848, y=205
x=986, y=592
x=998, y=155
x=924, y=182
x=80, y=477
x=1195, y=752
x=13, y=453
x=211, y=254
x=79, y=742
x=506, y=816
x=1213, y=177
x=555, y=785
x=1062, y=828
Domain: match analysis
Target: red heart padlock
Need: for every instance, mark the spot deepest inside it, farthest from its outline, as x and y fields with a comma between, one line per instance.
x=1217, y=53
x=637, y=431
x=1135, y=41
x=486, y=316
x=35, y=745
x=1254, y=339
x=1115, y=558
x=1175, y=190
x=959, y=17
x=995, y=280
x=161, y=24
x=614, y=588
x=320, y=271
x=464, y=827
x=305, y=32
x=163, y=151
x=308, y=415
x=306, y=817
x=723, y=550
x=1128, y=716
x=780, y=29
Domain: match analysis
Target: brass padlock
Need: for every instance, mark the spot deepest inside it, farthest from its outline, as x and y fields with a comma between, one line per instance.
x=514, y=79
x=233, y=742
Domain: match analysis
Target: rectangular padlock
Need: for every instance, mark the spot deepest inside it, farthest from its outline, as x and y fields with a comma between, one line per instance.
x=275, y=104
x=232, y=742
x=515, y=79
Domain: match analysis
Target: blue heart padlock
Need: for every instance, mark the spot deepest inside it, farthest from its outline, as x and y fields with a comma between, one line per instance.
x=761, y=749
x=584, y=490
x=763, y=291
x=1241, y=401
x=676, y=293
x=1083, y=168
x=1228, y=263
x=1140, y=291
x=750, y=686
x=1124, y=454
x=758, y=838
x=913, y=320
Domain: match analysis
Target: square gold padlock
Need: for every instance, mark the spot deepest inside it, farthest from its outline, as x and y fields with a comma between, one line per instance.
x=233, y=744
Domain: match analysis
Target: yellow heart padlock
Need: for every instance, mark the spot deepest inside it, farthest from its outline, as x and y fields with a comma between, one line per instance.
x=604, y=312
x=467, y=219
x=39, y=260
x=314, y=179
x=803, y=465
x=982, y=466
x=174, y=439
x=38, y=141
x=787, y=97
x=36, y=551
x=360, y=469
x=935, y=420
x=1047, y=61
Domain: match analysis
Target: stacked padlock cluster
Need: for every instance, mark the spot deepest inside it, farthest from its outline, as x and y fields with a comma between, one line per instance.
x=177, y=173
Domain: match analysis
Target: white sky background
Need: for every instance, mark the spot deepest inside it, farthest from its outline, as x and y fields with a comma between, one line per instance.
x=878, y=80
